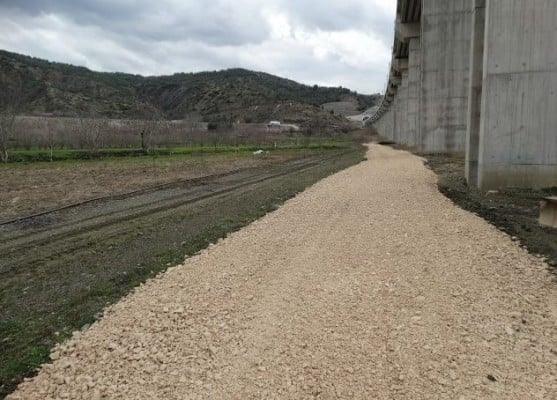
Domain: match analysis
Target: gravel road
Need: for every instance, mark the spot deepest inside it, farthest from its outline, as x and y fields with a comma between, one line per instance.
x=368, y=285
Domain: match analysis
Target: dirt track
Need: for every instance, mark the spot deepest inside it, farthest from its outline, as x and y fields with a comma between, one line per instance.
x=370, y=284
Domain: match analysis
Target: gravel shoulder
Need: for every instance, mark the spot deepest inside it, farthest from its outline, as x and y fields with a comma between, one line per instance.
x=512, y=210
x=369, y=284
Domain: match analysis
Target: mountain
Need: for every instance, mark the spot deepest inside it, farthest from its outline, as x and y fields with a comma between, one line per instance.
x=67, y=90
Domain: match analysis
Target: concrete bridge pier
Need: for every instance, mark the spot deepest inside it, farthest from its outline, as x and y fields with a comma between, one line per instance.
x=385, y=125
x=478, y=76
x=446, y=27
x=414, y=57
x=513, y=129
x=401, y=108
x=475, y=92
x=404, y=107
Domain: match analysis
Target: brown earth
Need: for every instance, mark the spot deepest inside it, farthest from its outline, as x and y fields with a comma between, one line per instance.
x=29, y=188
x=370, y=284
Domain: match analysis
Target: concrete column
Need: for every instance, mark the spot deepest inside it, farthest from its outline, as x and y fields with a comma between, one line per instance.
x=446, y=28
x=475, y=92
x=518, y=126
x=414, y=49
x=390, y=123
x=402, y=109
x=385, y=125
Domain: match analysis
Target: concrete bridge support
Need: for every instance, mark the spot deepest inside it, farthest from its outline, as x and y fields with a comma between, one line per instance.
x=386, y=125
x=475, y=92
x=402, y=109
x=478, y=76
x=414, y=59
x=517, y=135
x=446, y=27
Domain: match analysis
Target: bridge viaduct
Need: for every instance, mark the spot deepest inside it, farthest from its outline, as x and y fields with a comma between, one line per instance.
x=478, y=76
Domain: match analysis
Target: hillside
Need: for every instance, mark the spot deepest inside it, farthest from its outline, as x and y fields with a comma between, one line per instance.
x=67, y=90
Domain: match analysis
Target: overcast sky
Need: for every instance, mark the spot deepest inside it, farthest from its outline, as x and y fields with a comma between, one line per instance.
x=325, y=42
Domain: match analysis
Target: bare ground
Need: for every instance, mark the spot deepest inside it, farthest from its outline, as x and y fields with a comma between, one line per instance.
x=513, y=210
x=370, y=284
x=35, y=187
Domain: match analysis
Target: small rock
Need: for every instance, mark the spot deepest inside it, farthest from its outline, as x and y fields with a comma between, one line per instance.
x=491, y=377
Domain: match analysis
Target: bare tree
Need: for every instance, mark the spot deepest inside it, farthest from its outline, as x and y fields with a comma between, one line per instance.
x=148, y=129
x=7, y=123
x=10, y=102
x=150, y=124
x=192, y=121
x=49, y=126
x=91, y=131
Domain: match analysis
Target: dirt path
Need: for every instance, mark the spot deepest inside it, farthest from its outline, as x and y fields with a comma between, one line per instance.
x=370, y=284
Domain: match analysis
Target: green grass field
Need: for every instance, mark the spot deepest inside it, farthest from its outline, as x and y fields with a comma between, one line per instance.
x=38, y=155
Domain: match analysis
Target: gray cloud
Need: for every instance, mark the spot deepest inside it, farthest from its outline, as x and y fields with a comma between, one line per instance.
x=216, y=22
x=342, y=15
x=338, y=43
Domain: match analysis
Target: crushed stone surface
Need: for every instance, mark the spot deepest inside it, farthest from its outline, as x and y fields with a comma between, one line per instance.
x=368, y=285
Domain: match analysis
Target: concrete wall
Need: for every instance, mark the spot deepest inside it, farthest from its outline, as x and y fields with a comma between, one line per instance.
x=518, y=124
x=475, y=93
x=385, y=126
x=479, y=76
x=401, y=109
x=414, y=59
x=445, y=46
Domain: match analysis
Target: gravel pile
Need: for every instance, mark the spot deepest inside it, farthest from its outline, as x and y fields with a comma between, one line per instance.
x=370, y=284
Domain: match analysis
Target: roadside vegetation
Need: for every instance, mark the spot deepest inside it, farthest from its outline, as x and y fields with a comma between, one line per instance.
x=29, y=139
x=36, y=155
